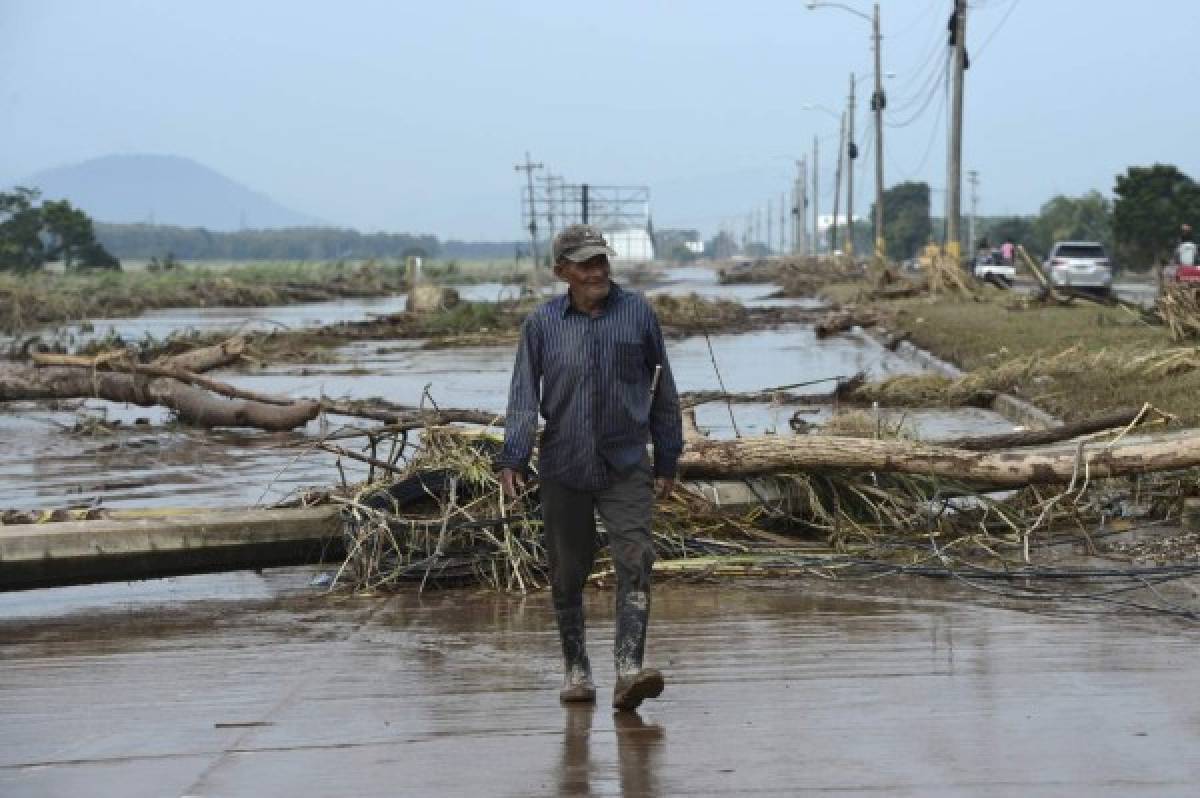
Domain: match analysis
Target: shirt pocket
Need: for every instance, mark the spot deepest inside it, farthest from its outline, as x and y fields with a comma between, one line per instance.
x=631, y=366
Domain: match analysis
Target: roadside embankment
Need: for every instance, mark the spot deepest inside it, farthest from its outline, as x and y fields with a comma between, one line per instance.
x=29, y=300
x=1072, y=360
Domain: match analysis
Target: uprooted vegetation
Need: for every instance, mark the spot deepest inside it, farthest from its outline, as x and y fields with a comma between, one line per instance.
x=797, y=276
x=440, y=519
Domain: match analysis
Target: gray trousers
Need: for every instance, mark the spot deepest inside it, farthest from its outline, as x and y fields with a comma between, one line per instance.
x=569, y=517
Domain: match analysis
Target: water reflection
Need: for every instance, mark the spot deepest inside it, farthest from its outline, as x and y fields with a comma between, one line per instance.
x=575, y=765
x=639, y=747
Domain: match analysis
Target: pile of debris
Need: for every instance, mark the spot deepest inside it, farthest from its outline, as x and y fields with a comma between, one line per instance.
x=817, y=504
x=1178, y=307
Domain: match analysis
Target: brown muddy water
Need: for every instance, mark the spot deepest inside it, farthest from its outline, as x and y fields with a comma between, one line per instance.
x=248, y=685
x=160, y=465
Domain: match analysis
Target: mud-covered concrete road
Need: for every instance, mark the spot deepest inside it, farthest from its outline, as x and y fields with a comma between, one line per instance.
x=249, y=685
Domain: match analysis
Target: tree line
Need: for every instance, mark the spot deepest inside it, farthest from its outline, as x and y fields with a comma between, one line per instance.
x=145, y=241
x=33, y=234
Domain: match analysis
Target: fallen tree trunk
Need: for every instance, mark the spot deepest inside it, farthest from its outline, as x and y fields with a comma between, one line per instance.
x=205, y=402
x=843, y=391
x=402, y=417
x=173, y=382
x=193, y=405
x=198, y=360
x=773, y=454
x=1121, y=418
x=844, y=320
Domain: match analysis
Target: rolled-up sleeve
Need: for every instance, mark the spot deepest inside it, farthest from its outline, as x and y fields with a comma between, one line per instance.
x=524, y=398
x=666, y=423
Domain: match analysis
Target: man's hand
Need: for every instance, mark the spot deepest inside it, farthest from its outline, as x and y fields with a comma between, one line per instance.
x=511, y=482
x=663, y=486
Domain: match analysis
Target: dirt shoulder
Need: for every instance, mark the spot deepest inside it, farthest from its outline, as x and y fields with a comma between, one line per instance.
x=1073, y=361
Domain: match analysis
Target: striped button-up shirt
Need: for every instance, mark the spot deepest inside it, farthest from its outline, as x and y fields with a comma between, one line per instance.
x=590, y=378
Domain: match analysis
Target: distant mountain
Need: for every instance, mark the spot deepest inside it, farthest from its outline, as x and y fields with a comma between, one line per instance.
x=163, y=189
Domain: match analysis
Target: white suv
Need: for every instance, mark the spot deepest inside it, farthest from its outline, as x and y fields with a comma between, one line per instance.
x=1079, y=264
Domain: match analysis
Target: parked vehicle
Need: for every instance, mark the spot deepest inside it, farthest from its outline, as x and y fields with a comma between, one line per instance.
x=1079, y=264
x=1181, y=274
x=992, y=267
x=1177, y=273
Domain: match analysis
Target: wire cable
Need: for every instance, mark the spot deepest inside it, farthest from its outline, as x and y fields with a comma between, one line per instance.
x=996, y=29
x=938, y=87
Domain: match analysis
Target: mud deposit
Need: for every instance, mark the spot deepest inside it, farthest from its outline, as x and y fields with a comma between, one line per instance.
x=242, y=684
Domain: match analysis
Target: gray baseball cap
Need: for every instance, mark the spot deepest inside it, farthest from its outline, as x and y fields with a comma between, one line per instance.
x=579, y=242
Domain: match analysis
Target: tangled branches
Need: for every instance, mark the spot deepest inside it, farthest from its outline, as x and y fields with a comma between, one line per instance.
x=444, y=522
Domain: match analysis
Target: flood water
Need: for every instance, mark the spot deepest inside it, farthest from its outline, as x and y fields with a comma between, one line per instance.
x=159, y=464
x=252, y=685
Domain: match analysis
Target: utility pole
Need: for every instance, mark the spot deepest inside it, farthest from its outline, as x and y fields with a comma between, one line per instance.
x=782, y=223
x=958, y=39
x=550, y=183
x=878, y=102
x=801, y=207
x=770, y=224
x=837, y=184
x=851, y=154
x=816, y=201
x=973, y=179
x=528, y=168
x=794, y=218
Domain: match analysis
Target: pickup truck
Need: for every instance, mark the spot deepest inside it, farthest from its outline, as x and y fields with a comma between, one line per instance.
x=1177, y=273
x=992, y=267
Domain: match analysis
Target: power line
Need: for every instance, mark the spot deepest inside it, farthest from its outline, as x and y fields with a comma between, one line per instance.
x=996, y=29
x=925, y=73
x=941, y=112
x=917, y=20
x=933, y=92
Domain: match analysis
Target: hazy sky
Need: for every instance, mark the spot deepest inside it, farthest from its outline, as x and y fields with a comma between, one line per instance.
x=409, y=116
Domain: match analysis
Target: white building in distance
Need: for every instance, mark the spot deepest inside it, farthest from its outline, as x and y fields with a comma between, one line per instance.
x=631, y=244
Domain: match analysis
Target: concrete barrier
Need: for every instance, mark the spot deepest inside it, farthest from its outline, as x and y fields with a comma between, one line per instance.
x=78, y=552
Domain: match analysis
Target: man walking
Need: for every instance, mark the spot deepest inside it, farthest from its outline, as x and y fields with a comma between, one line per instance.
x=593, y=363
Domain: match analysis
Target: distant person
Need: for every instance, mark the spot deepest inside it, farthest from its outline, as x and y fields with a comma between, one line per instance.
x=592, y=362
x=1007, y=250
x=1185, y=253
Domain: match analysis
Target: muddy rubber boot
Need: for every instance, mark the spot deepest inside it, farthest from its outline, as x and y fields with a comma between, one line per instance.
x=577, y=680
x=634, y=683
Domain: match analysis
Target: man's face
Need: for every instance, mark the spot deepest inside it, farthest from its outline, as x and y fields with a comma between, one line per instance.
x=588, y=280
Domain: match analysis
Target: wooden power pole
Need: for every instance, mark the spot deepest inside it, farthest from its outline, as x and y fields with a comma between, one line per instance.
x=816, y=201
x=837, y=184
x=973, y=179
x=958, y=39
x=878, y=102
x=528, y=168
x=851, y=154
